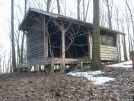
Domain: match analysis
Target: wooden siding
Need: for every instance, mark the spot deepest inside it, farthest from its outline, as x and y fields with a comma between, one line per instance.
x=108, y=53
x=38, y=42
x=35, y=46
x=45, y=40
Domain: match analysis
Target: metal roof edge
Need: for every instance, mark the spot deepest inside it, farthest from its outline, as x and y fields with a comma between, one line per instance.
x=37, y=11
x=91, y=24
x=65, y=17
x=44, y=12
x=24, y=19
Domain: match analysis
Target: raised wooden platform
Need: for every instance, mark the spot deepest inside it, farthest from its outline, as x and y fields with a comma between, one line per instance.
x=53, y=61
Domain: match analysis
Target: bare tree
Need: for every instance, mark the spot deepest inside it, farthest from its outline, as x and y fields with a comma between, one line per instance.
x=96, y=59
x=48, y=5
x=131, y=14
x=12, y=38
x=58, y=7
x=85, y=10
x=0, y=59
x=124, y=41
x=109, y=5
x=23, y=36
x=102, y=14
x=118, y=28
x=78, y=9
x=128, y=29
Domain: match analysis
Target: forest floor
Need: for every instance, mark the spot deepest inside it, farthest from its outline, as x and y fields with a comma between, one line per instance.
x=39, y=87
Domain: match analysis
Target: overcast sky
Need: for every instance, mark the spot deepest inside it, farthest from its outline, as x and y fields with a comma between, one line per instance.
x=4, y=25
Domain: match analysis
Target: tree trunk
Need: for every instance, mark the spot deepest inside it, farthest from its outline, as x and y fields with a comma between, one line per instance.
x=48, y=5
x=118, y=36
x=58, y=7
x=131, y=16
x=109, y=14
x=124, y=42
x=23, y=36
x=83, y=10
x=78, y=9
x=65, y=8
x=12, y=37
x=87, y=10
x=125, y=49
x=96, y=59
x=129, y=36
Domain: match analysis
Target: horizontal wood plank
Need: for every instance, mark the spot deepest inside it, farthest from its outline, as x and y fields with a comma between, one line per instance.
x=107, y=52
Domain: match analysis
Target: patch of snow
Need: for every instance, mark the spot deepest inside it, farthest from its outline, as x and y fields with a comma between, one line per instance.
x=90, y=76
x=97, y=80
x=126, y=64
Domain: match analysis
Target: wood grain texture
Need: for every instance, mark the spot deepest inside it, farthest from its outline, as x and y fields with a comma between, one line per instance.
x=108, y=53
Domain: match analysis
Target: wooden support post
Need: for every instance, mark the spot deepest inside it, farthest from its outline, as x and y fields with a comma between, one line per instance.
x=63, y=51
x=29, y=69
x=45, y=40
x=90, y=45
x=116, y=40
x=35, y=68
x=118, y=46
x=44, y=69
x=61, y=66
x=89, y=42
x=27, y=42
x=81, y=64
x=63, y=32
x=125, y=51
x=39, y=68
x=52, y=66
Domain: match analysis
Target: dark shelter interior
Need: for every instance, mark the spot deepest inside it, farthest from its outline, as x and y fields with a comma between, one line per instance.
x=76, y=41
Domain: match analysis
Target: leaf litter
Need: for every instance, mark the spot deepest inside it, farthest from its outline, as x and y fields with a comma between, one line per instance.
x=39, y=87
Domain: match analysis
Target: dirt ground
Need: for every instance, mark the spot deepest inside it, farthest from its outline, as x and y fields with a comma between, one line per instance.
x=41, y=87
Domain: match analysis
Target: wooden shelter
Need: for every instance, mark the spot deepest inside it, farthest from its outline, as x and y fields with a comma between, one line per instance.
x=53, y=38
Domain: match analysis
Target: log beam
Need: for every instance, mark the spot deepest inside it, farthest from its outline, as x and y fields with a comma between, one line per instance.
x=63, y=32
x=45, y=40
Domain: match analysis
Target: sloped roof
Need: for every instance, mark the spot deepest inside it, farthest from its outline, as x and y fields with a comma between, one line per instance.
x=56, y=16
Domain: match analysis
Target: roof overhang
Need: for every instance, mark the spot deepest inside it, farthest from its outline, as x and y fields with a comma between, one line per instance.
x=56, y=16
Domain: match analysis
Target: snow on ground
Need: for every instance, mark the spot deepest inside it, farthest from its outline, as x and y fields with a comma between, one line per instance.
x=90, y=76
x=126, y=64
x=98, y=80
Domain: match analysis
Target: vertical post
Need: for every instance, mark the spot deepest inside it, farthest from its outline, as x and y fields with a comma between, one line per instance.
x=116, y=40
x=118, y=46
x=29, y=69
x=61, y=67
x=27, y=46
x=81, y=64
x=89, y=42
x=63, y=32
x=52, y=67
x=63, y=49
x=90, y=45
x=45, y=40
x=125, y=51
